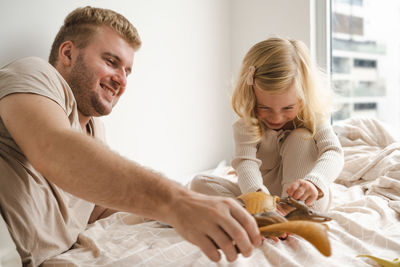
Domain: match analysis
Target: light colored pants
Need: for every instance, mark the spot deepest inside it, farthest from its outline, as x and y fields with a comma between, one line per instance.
x=298, y=153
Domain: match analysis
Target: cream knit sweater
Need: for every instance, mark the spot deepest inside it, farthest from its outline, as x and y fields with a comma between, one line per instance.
x=259, y=165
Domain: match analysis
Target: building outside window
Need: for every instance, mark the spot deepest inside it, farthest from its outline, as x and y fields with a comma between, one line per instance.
x=365, y=59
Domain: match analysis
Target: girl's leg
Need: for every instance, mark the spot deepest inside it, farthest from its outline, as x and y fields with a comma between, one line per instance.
x=299, y=155
x=215, y=186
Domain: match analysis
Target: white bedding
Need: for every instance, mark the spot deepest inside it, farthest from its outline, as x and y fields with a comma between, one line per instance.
x=365, y=212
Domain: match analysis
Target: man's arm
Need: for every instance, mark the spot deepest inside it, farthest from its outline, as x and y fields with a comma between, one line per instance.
x=88, y=169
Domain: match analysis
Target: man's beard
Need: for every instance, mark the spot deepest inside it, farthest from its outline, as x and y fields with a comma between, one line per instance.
x=82, y=80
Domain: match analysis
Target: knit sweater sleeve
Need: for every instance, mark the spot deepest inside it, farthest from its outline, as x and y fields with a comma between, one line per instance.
x=245, y=162
x=330, y=158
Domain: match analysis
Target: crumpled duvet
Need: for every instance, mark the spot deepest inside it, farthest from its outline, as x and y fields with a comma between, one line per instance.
x=365, y=212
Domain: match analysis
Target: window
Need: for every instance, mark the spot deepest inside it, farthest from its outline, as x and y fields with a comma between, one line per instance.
x=341, y=65
x=365, y=59
x=364, y=63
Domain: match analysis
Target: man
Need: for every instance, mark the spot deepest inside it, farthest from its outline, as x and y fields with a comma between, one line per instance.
x=52, y=170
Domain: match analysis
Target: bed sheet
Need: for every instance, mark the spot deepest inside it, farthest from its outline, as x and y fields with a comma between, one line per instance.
x=365, y=212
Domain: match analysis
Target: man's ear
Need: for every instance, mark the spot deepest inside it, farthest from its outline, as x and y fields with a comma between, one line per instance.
x=65, y=53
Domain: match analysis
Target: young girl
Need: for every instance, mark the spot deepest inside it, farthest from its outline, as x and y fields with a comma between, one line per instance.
x=284, y=143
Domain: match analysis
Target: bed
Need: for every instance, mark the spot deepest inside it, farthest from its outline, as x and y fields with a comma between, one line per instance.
x=365, y=212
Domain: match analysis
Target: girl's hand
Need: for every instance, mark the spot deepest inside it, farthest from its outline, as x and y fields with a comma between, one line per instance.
x=283, y=208
x=303, y=190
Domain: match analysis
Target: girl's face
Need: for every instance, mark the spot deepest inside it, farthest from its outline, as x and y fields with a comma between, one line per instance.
x=276, y=110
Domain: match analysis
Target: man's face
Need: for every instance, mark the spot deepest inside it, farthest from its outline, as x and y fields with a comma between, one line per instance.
x=98, y=74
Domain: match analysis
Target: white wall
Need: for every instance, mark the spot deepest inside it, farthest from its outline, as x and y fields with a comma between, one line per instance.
x=175, y=116
x=256, y=20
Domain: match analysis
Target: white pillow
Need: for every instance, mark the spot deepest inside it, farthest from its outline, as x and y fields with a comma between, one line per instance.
x=9, y=256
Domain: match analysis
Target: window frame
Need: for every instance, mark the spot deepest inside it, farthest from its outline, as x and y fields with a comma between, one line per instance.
x=323, y=34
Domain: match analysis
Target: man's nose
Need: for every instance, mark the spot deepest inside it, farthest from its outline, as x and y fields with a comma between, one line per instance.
x=120, y=78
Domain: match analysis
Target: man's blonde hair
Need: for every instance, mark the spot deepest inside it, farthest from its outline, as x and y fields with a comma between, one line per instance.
x=82, y=23
x=278, y=64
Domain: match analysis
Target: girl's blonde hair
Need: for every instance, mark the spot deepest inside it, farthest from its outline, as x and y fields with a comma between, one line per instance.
x=274, y=65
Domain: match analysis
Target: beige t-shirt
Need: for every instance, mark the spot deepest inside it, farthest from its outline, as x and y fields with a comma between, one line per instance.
x=42, y=219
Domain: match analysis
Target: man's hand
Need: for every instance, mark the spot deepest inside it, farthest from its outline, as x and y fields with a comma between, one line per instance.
x=211, y=222
x=303, y=190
